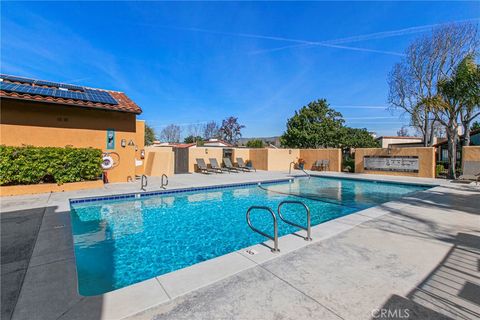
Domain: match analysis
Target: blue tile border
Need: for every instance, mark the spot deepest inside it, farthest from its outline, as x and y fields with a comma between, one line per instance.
x=413, y=183
x=232, y=185
x=179, y=190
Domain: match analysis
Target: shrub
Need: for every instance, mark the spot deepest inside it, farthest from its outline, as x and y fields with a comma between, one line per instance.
x=439, y=169
x=349, y=164
x=255, y=143
x=32, y=165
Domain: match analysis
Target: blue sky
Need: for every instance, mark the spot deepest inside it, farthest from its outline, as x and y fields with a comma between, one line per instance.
x=190, y=63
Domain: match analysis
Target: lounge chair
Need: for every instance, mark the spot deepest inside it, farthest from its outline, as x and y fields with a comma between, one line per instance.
x=242, y=165
x=215, y=166
x=471, y=171
x=202, y=167
x=229, y=166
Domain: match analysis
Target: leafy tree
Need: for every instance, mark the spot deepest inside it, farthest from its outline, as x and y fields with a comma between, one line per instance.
x=230, y=130
x=358, y=138
x=468, y=86
x=414, y=81
x=255, y=143
x=475, y=126
x=149, y=135
x=171, y=133
x=211, y=130
x=193, y=139
x=314, y=126
x=457, y=94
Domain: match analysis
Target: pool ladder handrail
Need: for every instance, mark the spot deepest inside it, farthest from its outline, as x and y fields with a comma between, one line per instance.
x=275, y=226
x=290, y=169
x=142, y=184
x=307, y=209
x=164, y=181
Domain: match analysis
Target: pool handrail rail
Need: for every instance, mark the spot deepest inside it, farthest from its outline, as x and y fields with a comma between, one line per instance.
x=275, y=248
x=308, y=228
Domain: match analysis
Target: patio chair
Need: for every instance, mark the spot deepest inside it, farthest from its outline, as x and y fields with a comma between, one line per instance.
x=322, y=165
x=471, y=171
x=229, y=166
x=202, y=166
x=215, y=166
x=326, y=165
x=242, y=165
x=317, y=165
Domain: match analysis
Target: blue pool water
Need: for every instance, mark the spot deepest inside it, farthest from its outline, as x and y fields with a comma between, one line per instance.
x=121, y=242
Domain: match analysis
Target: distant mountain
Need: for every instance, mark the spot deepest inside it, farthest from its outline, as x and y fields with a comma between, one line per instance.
x=266, y=140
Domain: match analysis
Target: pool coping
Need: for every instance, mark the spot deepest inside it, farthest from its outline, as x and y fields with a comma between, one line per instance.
x=138, y=297
x=144, y=194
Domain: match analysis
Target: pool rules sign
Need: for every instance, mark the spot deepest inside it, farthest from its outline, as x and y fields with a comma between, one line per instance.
x=387, y=163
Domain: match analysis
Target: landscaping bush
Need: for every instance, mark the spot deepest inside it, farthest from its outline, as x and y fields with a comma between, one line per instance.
x=439, y=170
x=349, y=164
x=32, y=165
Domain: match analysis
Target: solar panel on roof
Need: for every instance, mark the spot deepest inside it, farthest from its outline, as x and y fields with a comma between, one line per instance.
x=90, y=95
x=41, y=82
x=16, y=79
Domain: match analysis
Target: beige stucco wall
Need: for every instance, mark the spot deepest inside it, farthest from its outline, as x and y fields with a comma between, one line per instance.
x=280, y=159
x=53, y=125
x=426, y=157
x=259, y=158
x=312, y=155
x=159, y=161
x=48, y=187
x=243, y=153
x=471, y=153
x=204, y=153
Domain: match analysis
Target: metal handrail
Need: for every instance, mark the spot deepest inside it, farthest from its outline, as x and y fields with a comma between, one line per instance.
x=308, y=228
x=308, y=175
x=163, y=184
x=275, y=226
x=143, y=186
x=290, y=167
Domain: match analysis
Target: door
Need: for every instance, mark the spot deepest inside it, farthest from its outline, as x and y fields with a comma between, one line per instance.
x=228, y=153
x=181, y=160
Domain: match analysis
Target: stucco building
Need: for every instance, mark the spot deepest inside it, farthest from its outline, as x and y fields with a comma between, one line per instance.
x=44, y=113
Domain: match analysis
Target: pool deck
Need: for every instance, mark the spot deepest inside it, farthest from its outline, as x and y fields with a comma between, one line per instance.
x=419, y=253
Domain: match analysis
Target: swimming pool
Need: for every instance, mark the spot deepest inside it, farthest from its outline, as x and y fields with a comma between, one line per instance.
x=124, y=241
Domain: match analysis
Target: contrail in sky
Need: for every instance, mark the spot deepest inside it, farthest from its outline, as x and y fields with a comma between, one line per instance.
x=333, y=43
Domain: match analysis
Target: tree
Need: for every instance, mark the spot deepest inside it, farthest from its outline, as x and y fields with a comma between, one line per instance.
x=211, y=130
x=467, y=82
x=171, y=133
x=475, y=126
x=457, y=96
x=402, y=132
x=255, y=143
x=193, y=139
x=230, y=130
x=195, y=130
x=358, y=138
x=314, y=126
x=414, y=80
x=149, y=135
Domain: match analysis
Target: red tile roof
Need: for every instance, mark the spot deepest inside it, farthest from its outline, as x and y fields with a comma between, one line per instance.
x=124, y=103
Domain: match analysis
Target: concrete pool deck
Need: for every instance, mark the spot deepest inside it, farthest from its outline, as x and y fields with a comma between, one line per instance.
x=420, y=252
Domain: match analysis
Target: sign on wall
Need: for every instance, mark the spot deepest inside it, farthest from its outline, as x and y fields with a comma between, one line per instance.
x=391, y=163
x=110, y=139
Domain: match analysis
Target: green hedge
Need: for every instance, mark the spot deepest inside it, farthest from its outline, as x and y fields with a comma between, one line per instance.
x=32, y=165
